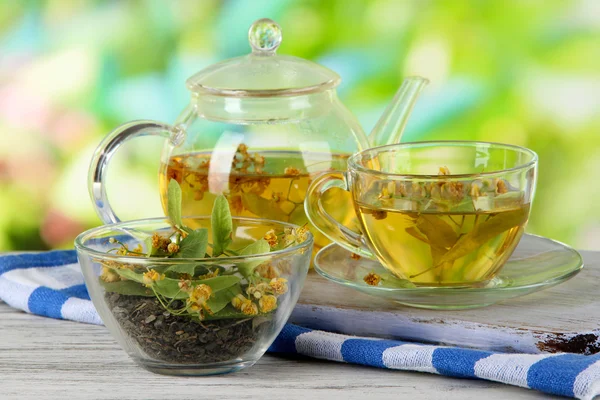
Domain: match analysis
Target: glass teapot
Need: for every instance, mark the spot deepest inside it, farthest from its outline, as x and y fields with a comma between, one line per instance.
x=257, y=129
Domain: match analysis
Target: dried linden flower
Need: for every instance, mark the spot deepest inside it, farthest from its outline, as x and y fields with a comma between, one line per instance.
x=267, y=303
x=387, y=191
x=173, y=247
x=108, y=275
x=249, y=308
x=258, y=160
x=453, y=191
x=291, y=171
x=159, y=242
x=209, y=275
x=278, y=285
x=475, y=192
x=242, y=148
x=379, y=214
x=200, y=294
x=152, y=276
x=354, y=256
x=267, y=270
x=271, y=238
x=372, y=279
x=500, y=186
x=237, y=301
x=291, y=235
x=185, y=285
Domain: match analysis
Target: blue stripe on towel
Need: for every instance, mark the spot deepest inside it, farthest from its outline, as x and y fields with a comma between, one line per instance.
x=366, y=351
x=33, y=260
x=558, y=374
x=47, y=302
x=79, y=291
x=459, y=363
x=286, y=341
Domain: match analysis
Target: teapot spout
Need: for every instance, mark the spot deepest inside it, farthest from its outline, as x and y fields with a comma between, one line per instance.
x=389, y=128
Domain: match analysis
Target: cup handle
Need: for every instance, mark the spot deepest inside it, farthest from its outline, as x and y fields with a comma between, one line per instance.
x=324, y=222
x=106, y=149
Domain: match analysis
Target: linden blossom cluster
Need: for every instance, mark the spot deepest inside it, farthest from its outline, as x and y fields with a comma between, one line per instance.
x=208, y=291
x=445, y=195
x=246, y=181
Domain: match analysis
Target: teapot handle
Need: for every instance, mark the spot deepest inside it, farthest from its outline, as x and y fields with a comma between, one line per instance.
x=104, y=152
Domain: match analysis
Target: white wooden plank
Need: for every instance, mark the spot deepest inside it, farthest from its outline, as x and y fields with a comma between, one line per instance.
x=563, y=318
x=51, y=359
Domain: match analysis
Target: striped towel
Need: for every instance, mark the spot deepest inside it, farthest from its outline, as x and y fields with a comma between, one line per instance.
x=51, y=284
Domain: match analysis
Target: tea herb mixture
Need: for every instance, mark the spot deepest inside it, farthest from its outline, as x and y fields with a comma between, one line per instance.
x=203, y=291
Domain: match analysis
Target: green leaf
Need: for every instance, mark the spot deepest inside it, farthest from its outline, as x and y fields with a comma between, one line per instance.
x=182, y=268
x=437, y=230
x=265, y=208
x=193, y=245
x=495, y=225
x=414, y=232
x=219, y=282
x=392, y=281
x=149, y=249
x=169, y=288
x=222, y=226
x=227, y=312
x=129, y=274
x=174, y=203
x=261, y=246
x=220, y=299
x=129, y=288
x=298, y=216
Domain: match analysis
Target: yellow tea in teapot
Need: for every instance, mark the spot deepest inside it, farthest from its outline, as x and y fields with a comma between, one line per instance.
x=270, y=184
x=444, y=247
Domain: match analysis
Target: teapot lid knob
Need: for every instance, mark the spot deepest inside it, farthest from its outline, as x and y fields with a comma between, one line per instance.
x=264, y=36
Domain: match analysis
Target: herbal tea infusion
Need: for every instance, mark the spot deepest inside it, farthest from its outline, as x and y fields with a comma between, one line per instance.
x=268, y=184
x=449, y=233
x=444, y=247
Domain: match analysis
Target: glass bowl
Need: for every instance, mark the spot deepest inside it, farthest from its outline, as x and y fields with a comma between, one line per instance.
x=134, y=309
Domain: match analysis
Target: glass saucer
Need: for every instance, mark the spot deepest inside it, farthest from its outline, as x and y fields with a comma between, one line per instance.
x=537, y=263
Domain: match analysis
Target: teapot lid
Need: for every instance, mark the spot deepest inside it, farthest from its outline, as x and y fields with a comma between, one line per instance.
x=263, y=73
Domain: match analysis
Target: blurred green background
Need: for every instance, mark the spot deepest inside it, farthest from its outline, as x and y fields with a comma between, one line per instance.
x=522, y=72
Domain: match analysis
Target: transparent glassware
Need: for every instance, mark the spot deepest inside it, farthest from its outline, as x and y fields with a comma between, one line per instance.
x=433, y=213
x=257, y=129
x=536, y=264
x=172, y=344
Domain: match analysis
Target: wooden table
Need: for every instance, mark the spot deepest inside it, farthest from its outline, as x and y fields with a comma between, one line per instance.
x=42, y=358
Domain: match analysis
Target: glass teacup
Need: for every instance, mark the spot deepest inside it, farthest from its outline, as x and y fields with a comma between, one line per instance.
x=444, y=213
